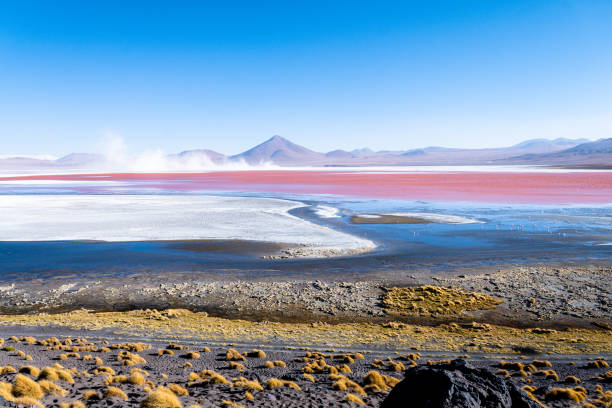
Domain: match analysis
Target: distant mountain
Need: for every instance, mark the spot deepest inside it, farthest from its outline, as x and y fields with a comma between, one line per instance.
x=601, y=146
x=202, y=155
x=281, y=151
x=340, y=154
x=589, y=153
x=549, y=145
x=80, y=159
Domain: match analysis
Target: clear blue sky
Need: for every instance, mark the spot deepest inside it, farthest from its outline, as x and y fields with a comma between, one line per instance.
x=226, y=75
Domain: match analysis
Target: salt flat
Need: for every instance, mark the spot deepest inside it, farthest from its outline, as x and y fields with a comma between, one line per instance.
x=159, y=217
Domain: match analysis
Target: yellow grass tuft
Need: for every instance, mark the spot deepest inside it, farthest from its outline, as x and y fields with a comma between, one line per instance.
x=30, y=370
x=565, y=394
x=90, y=395
x=256, y=353
x=275, y=382
x=73, y=404
x=26, y=387
x=137, y=378
x=178, y=390
x=7, y=370
x=49, y=387
x=192, y=355
x=309, y=377
x=211, y=377
x=253, y=385
x=28, y=402
x=236, y=366
x=354, y=398
x=343, y=383
x=161, y=398
x=570, y=379
x=234, y=355
x=115, y=392
x=104, y=370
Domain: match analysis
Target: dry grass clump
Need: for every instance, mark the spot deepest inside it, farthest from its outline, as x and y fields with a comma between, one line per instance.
x=251, y=385
x=90, y=395
x=343, y=383
x=541, y=363
x=236, y=366
x=234, y=355
x=137, y=378
x=319, y=367
x=8, y=369
x=571, y=379
x=49, y=387
x=275, y=382
x=354, y=398
x=72, y=404
x=275, y=363
x=205, y=350
x=256, y=353
x=178, y=390
x=599, y=363
x=161, y=398
x=133, y=347
x=548, y=374
x=191, y=355
x=130, y=359
x=26, y=387
x=30, y=370
x=56, y=373
x=115, y=392
x=435, y=300
x=161, y=352
x=104, y=370
x=208, y=377
x=376, y=382
x=572, y=394
x=98, y=361
x=28, y=402
x=309, y=377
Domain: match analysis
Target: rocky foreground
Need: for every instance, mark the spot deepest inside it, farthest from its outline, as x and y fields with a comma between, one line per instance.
x=78, y=371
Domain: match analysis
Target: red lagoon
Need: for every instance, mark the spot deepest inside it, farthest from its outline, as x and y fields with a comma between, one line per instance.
x=494, y=187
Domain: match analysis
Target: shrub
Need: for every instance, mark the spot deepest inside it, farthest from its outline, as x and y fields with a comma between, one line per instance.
x=275, y=382
x=354, y=398
x=115, y=392
x=178, y=390
x=30, y=370
x=565, y=394
x=26, y=387
x=161, y=398
x=234, y=355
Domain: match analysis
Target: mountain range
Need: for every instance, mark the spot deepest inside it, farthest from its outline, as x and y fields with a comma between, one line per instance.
x=282, y=152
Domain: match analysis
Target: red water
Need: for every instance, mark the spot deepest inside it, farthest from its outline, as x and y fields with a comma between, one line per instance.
x=494, y=187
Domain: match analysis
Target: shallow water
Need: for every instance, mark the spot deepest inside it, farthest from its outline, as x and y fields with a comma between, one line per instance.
x=510, y=233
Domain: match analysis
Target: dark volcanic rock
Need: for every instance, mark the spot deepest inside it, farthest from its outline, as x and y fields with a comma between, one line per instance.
x=455, y=385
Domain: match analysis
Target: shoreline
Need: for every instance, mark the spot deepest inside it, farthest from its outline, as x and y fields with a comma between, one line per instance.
x=547, y=295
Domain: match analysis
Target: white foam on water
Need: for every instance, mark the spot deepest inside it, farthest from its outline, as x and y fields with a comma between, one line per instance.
x=439, y=218
x=325, y=211
x=158, y=217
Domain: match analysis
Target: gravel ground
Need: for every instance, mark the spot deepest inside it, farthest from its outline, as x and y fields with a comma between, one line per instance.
x=174, y=369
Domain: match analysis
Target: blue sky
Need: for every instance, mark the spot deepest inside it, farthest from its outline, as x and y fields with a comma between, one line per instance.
x=226, y=75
